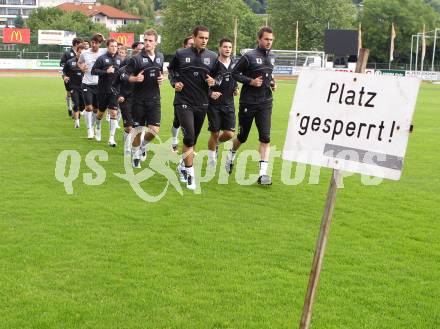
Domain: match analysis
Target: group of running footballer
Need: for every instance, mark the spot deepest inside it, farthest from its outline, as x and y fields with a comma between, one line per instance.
x=205, y=83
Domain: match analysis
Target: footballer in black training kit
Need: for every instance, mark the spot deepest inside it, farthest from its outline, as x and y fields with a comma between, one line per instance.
x=221, y=110
x=255, y=71
x=191, y=71
x=72, y=76
x=145, y=71
x=67, y=55
x=107, y=67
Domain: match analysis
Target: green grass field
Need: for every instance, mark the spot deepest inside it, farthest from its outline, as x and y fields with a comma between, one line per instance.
x=231, y=257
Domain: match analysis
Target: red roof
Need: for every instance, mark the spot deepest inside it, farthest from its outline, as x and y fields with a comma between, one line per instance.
x=93, y=9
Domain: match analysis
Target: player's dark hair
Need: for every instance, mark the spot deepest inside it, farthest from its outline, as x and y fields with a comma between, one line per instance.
x=135, y=44
x=98, y=38
x=223, y=40
x=109, y=41
x=76, y=41
x=264, y=29
x=120, y=44
x=199, y=28
x=186, y=40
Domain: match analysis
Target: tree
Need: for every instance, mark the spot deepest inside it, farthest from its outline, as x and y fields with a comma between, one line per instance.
x=181, y=16
x=56, y=19
x=408, y=18
x=81, y=24
x=19, y=22
x=257, y=6
x=158, y=4
x=41, y=18
x=313, y=18
x=434, y=4
x=137, y=29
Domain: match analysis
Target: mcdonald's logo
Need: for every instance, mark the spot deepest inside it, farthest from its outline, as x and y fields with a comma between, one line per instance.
x=122, y=39
x=125, y=38
x=16, y=36
x=12, y=35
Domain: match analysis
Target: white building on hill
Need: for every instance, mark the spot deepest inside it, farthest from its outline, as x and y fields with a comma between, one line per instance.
x=110, y=16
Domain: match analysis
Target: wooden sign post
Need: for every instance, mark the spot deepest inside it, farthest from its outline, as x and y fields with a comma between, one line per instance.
x=349, y=122
x=325, y=226
x=320, y=250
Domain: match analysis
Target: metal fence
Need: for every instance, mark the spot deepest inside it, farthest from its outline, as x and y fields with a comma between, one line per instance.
x=20, y=54
x=52, y=55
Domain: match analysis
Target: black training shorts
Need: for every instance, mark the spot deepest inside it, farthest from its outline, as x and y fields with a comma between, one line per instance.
x=77, y=99
x=146, y=113
x=191, y=120
x=262, y=113
x=107, y=101
x=221, y=117
x=126, y=111
x=90, y=94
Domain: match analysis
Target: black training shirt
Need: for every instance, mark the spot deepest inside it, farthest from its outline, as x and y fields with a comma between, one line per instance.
x=152, y=68
x=121, y=84
x=100, y=67
x=256, y=62
x=71, y=70
x=191, y=67
x=68, y=54
x=224, y=83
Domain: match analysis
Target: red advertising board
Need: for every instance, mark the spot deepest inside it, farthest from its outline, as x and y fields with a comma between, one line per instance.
x=125, y=38
x=13, y=35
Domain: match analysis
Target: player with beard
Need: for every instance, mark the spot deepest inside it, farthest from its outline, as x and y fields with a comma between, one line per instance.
x=254, y=70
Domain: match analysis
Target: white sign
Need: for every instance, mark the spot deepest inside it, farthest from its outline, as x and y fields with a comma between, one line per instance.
x=37, y=64
x=352, y=122
x=29, y=64
x=425, y=75
x=55, y=37
x=348, y=70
